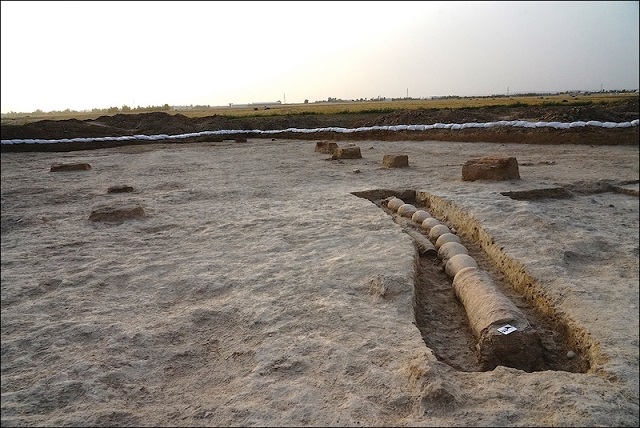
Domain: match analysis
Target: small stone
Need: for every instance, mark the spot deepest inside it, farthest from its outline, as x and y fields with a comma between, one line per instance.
x=120, y=189
x=116, y=214
x=356, y=171
x=571, y=355
x=70, y=167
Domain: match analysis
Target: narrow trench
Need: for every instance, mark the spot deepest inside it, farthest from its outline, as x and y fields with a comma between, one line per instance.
x=442, y=320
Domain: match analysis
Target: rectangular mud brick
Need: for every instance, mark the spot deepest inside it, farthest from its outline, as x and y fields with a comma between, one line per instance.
x=347, y=153
x=395, y=161
x=490, y=168
x=326, y=147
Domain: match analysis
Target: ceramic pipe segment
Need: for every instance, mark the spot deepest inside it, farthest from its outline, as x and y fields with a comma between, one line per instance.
x=504, y=335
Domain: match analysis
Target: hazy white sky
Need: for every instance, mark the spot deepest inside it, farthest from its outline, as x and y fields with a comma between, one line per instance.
x=83, y=55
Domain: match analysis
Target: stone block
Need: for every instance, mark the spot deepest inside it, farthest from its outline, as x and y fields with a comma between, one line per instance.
x=491, y=168
x=347, y=153
x=326, y=147
x=395, y=161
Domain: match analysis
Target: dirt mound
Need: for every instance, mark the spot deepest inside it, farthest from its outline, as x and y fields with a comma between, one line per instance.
x=174, y=124
x=614, y=112
x=59, y=129
x=141, y=123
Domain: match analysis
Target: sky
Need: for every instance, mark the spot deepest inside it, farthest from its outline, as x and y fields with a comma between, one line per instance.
x=89, y=54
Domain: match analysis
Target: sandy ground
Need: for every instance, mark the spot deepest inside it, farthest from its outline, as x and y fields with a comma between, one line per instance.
x=258, y=290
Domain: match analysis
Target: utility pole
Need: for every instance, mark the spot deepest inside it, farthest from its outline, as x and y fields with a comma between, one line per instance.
x=285, y=98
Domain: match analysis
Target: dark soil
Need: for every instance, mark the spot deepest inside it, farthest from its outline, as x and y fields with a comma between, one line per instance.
x=174, y=124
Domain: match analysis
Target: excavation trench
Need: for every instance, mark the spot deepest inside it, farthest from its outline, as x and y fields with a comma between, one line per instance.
x=450, y=328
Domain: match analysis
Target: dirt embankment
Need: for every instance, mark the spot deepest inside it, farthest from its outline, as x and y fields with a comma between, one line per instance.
x=174, y=124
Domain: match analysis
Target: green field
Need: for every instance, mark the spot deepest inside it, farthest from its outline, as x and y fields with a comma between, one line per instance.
x=352, y=107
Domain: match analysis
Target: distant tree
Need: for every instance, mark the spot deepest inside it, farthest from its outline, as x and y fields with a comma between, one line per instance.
x=306, y=101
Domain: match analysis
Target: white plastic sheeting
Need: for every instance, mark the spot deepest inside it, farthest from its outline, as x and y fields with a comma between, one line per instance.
x=451, y=126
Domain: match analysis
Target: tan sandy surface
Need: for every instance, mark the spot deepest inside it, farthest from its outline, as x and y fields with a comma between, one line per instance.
x=258, y=290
